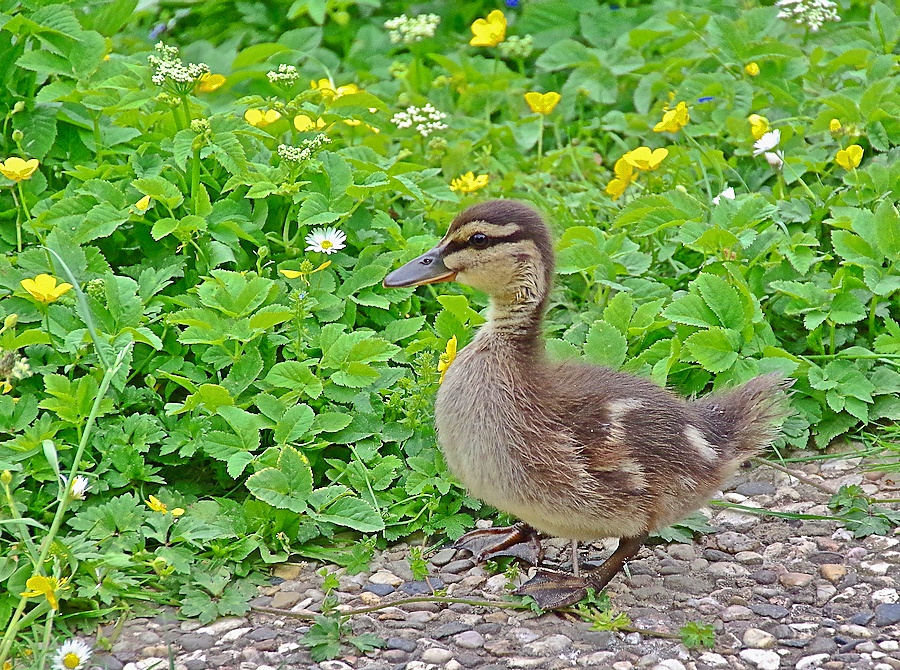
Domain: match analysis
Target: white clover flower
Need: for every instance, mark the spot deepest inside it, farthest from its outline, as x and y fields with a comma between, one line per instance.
x=168, y=69
x=286, y=74
x=728, y=194
x=326, y=240
x=808, y=13
x=767, y=142
x=409, y=30
x=425, y=120
x=71, y=655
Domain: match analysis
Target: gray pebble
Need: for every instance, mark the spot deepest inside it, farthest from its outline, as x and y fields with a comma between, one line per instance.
x=108, y=662
x=455, y=567
x=886, y=614
x=393, y=656
x=262, y=633
x=379, y=589
x=821, y=645
x=470, y=639
x=436, y=655
x=443, y=557
x=423, y=587
x=196, y=641
x=862, y=619
x=715, y=555
x=448, y=629
x=764, y=576
x=755, y=489
x=408, y=646
x=548, y=646
x=771, y=611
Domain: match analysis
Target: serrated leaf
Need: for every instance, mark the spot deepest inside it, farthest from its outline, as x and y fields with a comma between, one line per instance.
x=354, y=513
x=690, y=310
x=294, y=424
x=605, y=345
x=287, y=486
x=715, y=349
x=722, y=298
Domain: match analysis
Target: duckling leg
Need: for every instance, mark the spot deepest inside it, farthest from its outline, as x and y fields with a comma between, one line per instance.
x=519, y=540
x=552, y=590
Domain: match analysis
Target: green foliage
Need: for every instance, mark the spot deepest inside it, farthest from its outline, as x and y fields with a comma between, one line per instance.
x=329, y=630
x=860, y=514
x=277, y=395
x=698, y=635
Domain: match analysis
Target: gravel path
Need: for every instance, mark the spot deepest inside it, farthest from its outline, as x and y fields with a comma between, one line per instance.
x=780, y=594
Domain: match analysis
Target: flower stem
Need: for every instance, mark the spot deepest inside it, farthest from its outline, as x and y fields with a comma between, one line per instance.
x=541, y=142
x=195, y=177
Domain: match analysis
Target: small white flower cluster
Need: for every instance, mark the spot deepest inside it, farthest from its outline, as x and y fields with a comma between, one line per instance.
x=425, y=119
x=809, y=13
x=765, y=144
x=305, y=151
x=516, y=47
x=13, y=366
x=408, y=30
x=286, y=74
x=170, y=69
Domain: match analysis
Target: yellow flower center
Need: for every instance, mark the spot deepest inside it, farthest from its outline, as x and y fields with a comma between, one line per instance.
x=326, y=244
x=71, y=660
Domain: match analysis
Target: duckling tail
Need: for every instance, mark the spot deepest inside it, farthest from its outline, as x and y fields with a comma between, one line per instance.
x=748, y=419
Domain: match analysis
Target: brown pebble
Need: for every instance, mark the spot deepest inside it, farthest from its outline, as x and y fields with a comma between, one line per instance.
x=795, y=579
x=874, y=475
x=284, y=600
x=287, y=570
x=369, y=598
x=833, y=572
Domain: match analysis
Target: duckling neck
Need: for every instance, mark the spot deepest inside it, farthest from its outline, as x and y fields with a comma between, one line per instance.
x=516, y=318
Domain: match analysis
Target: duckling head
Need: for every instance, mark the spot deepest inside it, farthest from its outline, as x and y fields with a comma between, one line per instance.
x=501, y=247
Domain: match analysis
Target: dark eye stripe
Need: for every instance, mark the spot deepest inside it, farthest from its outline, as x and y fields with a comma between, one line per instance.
x=456, y=245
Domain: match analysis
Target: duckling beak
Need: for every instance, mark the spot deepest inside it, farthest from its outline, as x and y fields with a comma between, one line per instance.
x=428, y=268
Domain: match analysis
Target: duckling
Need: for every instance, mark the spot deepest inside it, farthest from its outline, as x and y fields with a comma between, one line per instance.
x=574, y=450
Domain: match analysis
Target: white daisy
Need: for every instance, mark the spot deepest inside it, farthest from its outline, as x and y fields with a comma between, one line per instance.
x=79, y=487
x=71, y=655
x=767, y=142
x=728, y=194
x=326, y=240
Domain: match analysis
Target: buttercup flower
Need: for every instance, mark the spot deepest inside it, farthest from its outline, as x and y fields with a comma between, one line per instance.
x=489, y=32
x=644, y=159
x=624, y=172
x=304, y=123
x=18, y=169
x=850, y=157
x=156, y=505
x=834, y=126
x=759, y=125
x=143, y=204
x=259, y=118
x=328, y=90
x=673, y=120
x=542, y=103
x=326, y=240
x=752, y=69
x=209, y=82
x=305, y=270
x=447, y=357
x=728, y=194
x=469, y=183
x=49, y=587
x=44, y=288
x=71, y=655
x=767, y=142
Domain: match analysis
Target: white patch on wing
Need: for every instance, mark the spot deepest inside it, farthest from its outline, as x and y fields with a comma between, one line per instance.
x=699, y=444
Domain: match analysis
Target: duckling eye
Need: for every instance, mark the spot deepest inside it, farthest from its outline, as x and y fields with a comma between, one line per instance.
x=479, y=240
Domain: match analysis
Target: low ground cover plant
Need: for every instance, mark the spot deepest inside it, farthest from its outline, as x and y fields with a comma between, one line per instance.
x=201, y=373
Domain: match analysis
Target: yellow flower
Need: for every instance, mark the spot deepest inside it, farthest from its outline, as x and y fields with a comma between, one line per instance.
x=447, y=357
x=624, y=176
x=850, y=157
x=303, y=123
x=44, y=288
x=542, y=103
x=759, y=125
x=303, y=274
x=834, y=125
x=209, y=82
x=17, y=169
x=143, y=204
x=328, y=90
x=673, y=120
x=643, y=158
x=752, y=69
x=156, y=505
x=260, y=118
x=469, y=183
x=489, y=32
x=48, y=587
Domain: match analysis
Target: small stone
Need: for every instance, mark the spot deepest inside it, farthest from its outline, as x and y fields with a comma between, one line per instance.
x=886, y=614
x=448, y=629
x=857, y=631
x=755, y=489
x=795, y=579
x=222, y=626
x=765, y=577
x=397, y=656
x=548, y=646
x=443, y=557
x=379, y=589
x=456, y=567
x=732, y=542
x=749, y=558
x=812, y=662
x=669, y=664
x=763, y=659
x=399, y=643
x=369, y=599
x=196, y=641
x=285, y=600
x=769, y=610
x=523, y=634
x=682, y=552
x=714, y=660
x=234, y=634
x=833, y=572
x=436, y=655
x=728, y=570
x=334, y=665
x=287, y=571
x=597, y=659
x=758, y=639
x=885, y=596
x=385, y=577
x=422, y=587
x=470, y=639
x=862, y=619
x=736, y=613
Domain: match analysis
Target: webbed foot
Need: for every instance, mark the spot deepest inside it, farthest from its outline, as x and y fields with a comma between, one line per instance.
x=553, y=590
x=520, y=541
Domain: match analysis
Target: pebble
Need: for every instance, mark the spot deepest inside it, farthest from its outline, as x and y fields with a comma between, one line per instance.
x=736, y=613
x=379, y=589
x=443, y=557
x=833, y=572
x=763, y=659
x=385, y=577
x=470, y=639
x=548, y=646
x=436, y=655
x=812, y=662
x=795, y=579
x=758, y=639
x=886, y=614
x=732, y=542
x=455, y=567
x=399, y=643
x=768, y=610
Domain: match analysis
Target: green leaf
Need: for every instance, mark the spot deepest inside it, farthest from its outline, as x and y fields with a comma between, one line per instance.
x=295, y=376
x=690, y=310
x=722, y=299
x=287, y=486
x=353, y=513
x=605, y=345
x=294, y=425
x=887, y=230
x=715, y=349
